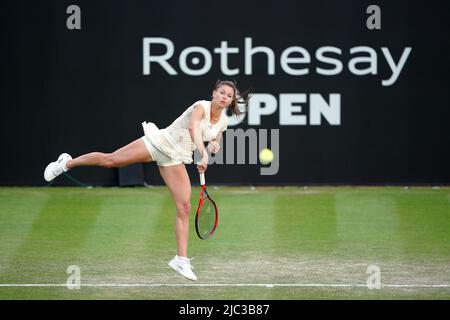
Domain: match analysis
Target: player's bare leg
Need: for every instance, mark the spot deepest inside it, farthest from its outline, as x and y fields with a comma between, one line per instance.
x=177, y=180
x=134, y=152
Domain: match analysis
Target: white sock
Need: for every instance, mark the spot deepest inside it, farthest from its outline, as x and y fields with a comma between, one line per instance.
x=182, y=258
x=64, y=167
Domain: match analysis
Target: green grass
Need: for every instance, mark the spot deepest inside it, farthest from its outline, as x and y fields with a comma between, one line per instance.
x=318, y=235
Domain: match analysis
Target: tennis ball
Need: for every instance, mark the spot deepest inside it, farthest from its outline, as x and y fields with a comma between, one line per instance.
x=266, y=156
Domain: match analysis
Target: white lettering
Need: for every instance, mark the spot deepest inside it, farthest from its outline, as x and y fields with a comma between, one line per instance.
x=294, y=60
x=162, y=59
x=396, y=69
x=223, y=51
x=288, y=105
x=321, y=57
x=261, y=104
x=285, y=60
x=319, y=107
x=183, y=63
x=250, y=51
x=291, y=110
x=371, y=60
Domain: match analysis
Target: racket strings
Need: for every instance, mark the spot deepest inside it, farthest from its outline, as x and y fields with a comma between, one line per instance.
x=207, y=218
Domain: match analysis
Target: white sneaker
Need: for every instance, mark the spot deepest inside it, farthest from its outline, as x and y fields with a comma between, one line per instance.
x=183, y=266
x=54, y=169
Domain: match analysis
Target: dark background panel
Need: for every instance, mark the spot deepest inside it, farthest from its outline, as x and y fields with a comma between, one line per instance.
x=84, y=90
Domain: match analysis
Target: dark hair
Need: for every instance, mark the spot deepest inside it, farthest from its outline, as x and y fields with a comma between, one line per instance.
x=240, y=100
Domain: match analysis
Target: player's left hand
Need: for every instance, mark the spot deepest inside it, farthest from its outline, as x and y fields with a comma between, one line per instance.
x=213, y=147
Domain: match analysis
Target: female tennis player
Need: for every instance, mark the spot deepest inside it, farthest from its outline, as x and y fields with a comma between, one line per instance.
x=171, y=148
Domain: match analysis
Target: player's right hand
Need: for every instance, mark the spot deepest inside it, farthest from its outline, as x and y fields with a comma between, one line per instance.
x=203, y=164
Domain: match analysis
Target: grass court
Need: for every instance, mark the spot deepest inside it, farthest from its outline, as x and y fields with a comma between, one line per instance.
x=271, y=243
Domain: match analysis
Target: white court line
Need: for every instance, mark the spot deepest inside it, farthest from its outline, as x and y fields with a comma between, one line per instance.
x=268, y=285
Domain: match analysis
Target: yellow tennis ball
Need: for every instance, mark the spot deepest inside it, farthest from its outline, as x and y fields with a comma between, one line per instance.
x=266, y=156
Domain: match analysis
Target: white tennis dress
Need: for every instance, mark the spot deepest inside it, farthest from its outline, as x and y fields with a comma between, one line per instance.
x=175, y=140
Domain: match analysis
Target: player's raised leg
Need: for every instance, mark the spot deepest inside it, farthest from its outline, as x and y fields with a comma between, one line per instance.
x=134, y=152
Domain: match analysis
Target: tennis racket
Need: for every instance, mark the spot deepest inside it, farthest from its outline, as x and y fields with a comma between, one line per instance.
x=207, y=216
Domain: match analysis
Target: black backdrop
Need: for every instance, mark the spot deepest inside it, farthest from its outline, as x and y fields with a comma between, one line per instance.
x=83, y=90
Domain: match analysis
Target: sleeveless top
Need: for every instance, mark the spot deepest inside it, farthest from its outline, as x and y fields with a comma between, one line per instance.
x=175, y=140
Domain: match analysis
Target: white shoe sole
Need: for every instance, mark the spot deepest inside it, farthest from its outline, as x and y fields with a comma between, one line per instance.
x=177, y=269
x=47, y=172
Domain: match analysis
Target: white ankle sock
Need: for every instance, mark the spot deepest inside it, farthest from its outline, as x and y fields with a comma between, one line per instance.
x=182, y=258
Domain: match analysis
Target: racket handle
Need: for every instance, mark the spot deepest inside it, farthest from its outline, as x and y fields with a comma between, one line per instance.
x=202, y=179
